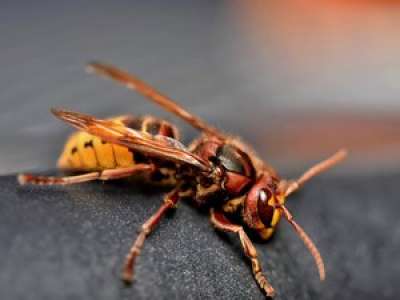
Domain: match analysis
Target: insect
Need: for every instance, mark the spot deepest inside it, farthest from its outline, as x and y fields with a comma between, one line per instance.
x=217, y=171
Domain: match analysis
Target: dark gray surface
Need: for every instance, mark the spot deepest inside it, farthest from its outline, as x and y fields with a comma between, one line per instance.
x=64, y=243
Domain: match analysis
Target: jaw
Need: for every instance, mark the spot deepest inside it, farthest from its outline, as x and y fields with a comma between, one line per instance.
x=266, y=233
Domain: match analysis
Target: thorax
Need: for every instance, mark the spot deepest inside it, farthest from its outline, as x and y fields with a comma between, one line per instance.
x=234, y=171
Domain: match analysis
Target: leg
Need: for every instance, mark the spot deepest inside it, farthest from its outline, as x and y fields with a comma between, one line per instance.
x=222, y=223
x=293, y=185
x=169, y=202
x=100, y=175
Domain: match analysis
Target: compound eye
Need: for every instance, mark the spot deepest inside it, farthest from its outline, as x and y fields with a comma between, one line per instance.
x=265, y=211
x=264, y=195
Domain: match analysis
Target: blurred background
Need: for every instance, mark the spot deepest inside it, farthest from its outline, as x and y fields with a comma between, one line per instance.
x=298, y=79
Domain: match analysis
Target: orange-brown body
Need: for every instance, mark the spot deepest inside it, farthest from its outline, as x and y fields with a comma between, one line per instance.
x=216, y=170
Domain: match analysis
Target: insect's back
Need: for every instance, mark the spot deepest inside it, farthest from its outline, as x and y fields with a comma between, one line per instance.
x=84, y=152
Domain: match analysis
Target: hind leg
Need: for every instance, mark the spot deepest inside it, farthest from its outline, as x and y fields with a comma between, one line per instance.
x=109, y=174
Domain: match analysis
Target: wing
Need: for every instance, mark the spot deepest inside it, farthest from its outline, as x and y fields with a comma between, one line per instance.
x=134, y=83
x=156, y=146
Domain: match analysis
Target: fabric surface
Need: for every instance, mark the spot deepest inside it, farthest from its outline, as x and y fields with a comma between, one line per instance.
x=70, y=242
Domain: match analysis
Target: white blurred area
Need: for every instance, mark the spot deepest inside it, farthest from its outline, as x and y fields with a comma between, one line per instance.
x=296, y=79
x=339, y=54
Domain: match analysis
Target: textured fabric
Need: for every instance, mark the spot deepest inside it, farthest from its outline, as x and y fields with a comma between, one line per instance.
x=58, y=243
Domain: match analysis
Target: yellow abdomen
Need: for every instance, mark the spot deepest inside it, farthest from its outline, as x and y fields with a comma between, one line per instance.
x=85, y=152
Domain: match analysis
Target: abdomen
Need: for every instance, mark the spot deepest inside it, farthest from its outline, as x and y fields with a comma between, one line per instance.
x=85, y=152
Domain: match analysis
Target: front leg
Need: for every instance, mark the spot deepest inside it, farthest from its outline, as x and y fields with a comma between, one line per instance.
x=220, y=222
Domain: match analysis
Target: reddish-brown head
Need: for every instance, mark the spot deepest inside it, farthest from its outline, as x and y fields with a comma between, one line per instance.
x=262, y=210
x=260, y=206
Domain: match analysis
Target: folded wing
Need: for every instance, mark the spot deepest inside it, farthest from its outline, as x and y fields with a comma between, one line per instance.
x=155, y=146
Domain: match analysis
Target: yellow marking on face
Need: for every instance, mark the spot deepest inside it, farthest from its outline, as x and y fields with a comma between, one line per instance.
x=275, y=217
x=266, y=233
x=276, y=214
